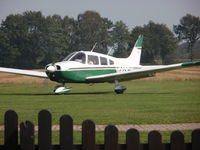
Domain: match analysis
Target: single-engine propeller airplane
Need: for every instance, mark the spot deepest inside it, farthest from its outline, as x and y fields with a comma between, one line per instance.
x=93, y=67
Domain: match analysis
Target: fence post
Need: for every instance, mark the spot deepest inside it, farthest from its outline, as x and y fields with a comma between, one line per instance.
x=66, y=132
x=44, y=130
x=196, y=139
x=88, y=135
x=132, y=139
x=11, y=130
x=155, y=141
x=177, y=141
x=111, y=138
x=27, y=136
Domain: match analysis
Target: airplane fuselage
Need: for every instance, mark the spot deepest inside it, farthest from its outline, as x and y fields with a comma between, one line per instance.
x=77, y=70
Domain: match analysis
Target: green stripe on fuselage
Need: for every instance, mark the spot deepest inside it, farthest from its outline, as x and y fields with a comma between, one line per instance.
x=79, y=76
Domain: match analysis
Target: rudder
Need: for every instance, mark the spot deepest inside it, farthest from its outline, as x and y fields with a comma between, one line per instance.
x=136, y=51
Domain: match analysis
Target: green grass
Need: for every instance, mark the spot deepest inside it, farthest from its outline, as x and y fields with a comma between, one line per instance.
x=122, y=135
x=144, y=102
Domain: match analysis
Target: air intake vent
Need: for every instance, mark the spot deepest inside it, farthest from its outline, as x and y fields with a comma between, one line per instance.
x=58, y=67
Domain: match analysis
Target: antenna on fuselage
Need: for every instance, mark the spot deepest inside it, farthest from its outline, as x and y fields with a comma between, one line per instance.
x=111, y=51
x=93, y=47
x=96, y=45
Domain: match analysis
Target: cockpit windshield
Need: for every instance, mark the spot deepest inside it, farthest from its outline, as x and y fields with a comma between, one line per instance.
x=78, y=57
x=68, y=56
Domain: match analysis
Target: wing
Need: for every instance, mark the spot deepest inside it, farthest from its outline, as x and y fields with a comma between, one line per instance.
x=139, y=73
x=24, y=72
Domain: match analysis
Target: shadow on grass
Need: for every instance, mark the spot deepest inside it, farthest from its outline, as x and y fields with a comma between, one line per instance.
x=150, y=93
x=52, y=94
x=90, y=93
x=86, y=93
x=26, y=94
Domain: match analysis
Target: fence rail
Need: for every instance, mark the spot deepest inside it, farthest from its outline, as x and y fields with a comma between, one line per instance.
x=88, y=136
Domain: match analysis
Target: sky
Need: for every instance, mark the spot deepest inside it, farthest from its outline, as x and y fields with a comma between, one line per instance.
x=131, y=12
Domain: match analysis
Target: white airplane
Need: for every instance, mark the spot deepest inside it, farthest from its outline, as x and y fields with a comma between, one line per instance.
x=92, y=67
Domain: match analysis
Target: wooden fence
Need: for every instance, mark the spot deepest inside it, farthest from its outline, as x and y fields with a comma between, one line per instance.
x=88, y=136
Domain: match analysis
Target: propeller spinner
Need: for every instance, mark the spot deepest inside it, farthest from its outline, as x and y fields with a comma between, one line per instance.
x=51, y=68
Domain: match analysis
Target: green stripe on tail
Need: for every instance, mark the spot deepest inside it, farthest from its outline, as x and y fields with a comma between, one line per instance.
x=139, y=41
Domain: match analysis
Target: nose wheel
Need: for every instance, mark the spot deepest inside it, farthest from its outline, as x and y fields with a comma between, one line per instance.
x=62, y=89
x=119, y=89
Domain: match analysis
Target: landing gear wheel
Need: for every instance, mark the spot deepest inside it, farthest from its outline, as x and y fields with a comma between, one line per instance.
x=119, y=89
x=61, y=90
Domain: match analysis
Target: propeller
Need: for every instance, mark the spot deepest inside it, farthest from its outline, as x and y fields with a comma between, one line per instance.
x=51, y=67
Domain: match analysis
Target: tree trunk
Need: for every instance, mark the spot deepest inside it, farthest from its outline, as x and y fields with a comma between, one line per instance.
x=190, y=49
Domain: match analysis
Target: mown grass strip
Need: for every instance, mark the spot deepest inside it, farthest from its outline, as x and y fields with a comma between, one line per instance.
x=100, y=137
x=145, y=102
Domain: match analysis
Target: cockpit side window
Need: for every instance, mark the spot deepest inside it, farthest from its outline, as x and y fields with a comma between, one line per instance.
x=111, y=62
x=93, y=60
x=68, y=57
x=103, y=61
x=79, y=57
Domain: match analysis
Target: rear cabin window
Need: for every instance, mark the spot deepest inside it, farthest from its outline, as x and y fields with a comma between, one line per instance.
x=93, y=60
x=111, y=62
x=103, y=61
x=79, y=57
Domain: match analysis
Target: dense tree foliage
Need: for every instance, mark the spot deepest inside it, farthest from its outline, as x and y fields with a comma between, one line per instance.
x=120, y=39
x=159, y=42
x=32, y=40
x=189, y=30
x=93, y=30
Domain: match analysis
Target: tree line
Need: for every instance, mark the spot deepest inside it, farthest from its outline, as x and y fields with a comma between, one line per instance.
x=32, y=40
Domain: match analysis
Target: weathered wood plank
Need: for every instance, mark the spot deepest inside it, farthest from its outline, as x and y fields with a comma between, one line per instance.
x=66, y=132
x=44, y=130
x=177, y=141
x=155, y=141
x=27, y=136
x=111, y=138
x=196, y=139
x=88, y=135
x=11, y=131
x=132, y=139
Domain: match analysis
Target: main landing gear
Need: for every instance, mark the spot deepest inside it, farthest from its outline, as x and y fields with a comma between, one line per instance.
x=62, y=89
x=119, y=89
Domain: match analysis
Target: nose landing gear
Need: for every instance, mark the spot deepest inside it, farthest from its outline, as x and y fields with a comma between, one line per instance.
x=62, y=89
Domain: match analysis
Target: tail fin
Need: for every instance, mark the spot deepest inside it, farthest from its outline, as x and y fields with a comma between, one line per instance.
x=136, y=51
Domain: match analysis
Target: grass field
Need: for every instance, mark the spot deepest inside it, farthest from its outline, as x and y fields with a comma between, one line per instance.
x=145, y=102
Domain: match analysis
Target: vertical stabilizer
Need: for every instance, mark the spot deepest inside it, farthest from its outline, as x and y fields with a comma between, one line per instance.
x=135, y=55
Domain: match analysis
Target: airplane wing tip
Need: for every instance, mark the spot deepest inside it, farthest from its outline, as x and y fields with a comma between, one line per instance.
x=24, y=72
x=193, y=63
